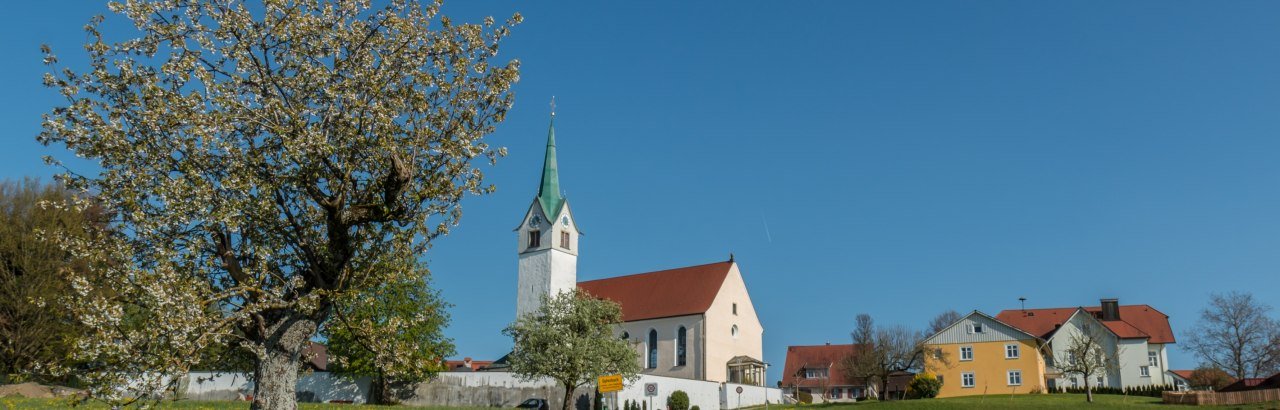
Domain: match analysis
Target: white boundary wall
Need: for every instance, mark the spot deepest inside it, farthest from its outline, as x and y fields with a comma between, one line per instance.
x=706, y=395
x=751, y=395
x=322, y=386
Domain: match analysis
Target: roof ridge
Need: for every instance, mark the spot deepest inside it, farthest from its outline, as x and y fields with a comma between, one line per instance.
x=656, y=271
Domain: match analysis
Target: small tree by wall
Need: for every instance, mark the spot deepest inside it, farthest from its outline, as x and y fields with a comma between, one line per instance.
x=678, y=400
x=570, y=339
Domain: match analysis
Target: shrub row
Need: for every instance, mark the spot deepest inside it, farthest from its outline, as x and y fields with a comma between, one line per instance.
x=1148, y=391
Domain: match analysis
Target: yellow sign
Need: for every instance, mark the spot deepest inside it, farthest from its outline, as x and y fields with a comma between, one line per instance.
x=609, y=384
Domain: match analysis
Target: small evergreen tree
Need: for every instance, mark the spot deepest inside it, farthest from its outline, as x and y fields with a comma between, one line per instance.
x=678, y=400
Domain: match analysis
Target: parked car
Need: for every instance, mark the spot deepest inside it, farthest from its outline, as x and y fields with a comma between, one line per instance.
x=535, y=404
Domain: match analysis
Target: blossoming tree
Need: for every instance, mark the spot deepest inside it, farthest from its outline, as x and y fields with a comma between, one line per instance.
x=260, y=161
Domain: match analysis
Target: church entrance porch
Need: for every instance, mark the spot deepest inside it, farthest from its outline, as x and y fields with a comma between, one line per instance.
x=746, y=370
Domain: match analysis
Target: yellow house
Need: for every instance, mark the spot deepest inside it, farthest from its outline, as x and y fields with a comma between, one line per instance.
x=981, y=355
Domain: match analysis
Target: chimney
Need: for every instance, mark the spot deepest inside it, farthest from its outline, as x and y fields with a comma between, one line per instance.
x=828, y=343
x=466, y=362
x=1110, y=309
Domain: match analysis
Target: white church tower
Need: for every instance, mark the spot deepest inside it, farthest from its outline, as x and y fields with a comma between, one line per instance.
x=547, y=239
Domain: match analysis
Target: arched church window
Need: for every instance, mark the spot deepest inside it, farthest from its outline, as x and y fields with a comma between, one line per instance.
x=535, y=239
x=680, y=344
x=734, y=331
x=564, y=239
x=653, y=349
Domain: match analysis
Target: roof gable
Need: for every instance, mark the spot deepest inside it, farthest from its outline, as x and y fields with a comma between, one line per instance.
x=1136, y=321
x=994, y=330
x=667, y=293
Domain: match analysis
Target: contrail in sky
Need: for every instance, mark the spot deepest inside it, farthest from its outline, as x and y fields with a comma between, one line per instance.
x=766, y=228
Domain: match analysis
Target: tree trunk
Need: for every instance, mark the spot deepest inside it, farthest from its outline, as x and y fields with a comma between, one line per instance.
x=1088, y=392
x=279, y=359
x=380, y=390
x=568, y=396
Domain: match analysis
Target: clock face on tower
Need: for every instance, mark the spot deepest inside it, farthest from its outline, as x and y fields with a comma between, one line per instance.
x=565, y=220
x=535, y=221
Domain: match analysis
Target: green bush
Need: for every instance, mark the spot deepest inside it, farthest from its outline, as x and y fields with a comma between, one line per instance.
x=923, y=386
x=695, y=407
x=804, y=397
x=678, y=400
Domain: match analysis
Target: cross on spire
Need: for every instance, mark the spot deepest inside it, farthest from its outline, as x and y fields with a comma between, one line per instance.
x=553, y=106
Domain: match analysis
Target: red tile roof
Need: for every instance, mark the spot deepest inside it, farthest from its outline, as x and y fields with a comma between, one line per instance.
x=465, y=365
x=818, y=357
x=1185, y=374
x=1272, y=382
x=666, y=293
x=1136, y=322
x=1251, y=383
x=316, y=356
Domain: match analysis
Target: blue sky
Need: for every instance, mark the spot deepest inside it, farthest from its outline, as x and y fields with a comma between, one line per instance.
x=906, y=157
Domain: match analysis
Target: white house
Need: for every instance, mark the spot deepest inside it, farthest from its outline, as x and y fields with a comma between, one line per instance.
x=1138, y=335
x=695, y=322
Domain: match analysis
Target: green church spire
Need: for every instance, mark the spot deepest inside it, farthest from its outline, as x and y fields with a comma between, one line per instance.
x=549, y=191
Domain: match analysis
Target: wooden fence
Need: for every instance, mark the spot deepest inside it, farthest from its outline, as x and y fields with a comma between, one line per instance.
x=1209, y=398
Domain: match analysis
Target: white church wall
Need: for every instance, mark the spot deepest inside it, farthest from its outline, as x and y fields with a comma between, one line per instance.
x=638, y=334
x=721, y=344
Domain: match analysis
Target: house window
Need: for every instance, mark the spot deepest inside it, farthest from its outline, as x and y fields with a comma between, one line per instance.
x=966, y=353
x=564, y=239
x=653, y=349
x=1145, y=371
x=1153, y=358
x=1011, y=351
x=966, y=379
x=815, y=373
x=680, y=339
x=734, y=331
x=974, y=328
x=535, y=239
x=1100, y=380
x=735, y=309
x=1015, y=377
x=835, y=393
x=1075, y=382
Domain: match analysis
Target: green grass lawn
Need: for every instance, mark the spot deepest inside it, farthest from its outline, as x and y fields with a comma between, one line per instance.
x=1039, y=401
x=13, y=403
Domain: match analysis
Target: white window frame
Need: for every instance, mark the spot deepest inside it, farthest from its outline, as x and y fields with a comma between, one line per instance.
x=1153, y=358
x=1144, y=371
x=977, y=328
x=964, y=349
x=1012, y=351
x=1075, y=382
x=1009, y=375
x=968, y=380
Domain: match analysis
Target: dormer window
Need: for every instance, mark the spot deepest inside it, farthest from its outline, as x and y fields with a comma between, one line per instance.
x=564, y=239
x=535, y=239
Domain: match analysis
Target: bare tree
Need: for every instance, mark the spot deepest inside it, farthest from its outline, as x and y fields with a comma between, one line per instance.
x=882, y=351
x=1087, y=356
x=942, y=320
x=1236, y=334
